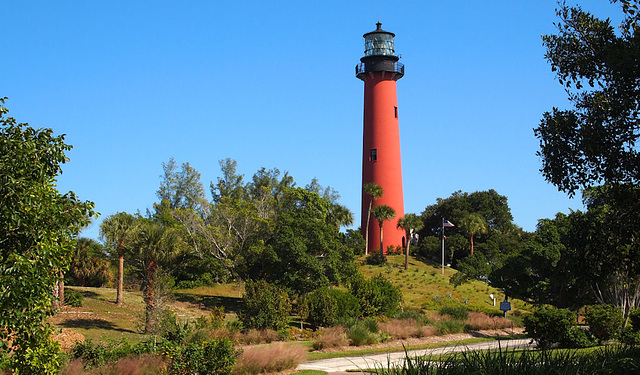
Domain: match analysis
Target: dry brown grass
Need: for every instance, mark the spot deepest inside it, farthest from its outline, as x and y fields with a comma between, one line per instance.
x=254, y=336
x=331, y=337
x=401, y=328
x=429, y=330
x=137, y=365
x=479, y=321
x=269, y=358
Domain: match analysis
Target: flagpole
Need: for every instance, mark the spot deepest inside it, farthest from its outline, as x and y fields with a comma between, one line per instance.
x=442, y=234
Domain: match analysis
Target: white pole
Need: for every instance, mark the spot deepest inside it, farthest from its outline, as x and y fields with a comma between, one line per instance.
x=442, y=245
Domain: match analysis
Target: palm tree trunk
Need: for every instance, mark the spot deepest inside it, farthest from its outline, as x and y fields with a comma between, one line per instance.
x=120, y=279
x=381, y=243
x=366, y=232
x=406, y=251
x=149, y=295
x=471, y=240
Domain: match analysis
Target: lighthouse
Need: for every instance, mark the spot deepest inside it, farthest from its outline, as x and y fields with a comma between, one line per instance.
x=380, y=69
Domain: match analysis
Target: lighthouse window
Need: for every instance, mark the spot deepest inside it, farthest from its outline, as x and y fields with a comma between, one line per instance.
x=374, y=154
x=395, y=111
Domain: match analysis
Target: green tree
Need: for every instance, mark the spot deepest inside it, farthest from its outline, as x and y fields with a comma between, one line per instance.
x=154, y=246
x=595, y=141
x=116, y=230
x=89, y=266
x=382, y=213
x=374, y=191
x=37, y=229
x=411, y=223
x=305, y=251
x=473, y=224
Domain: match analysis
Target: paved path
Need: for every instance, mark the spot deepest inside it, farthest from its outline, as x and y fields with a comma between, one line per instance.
x=373, y=360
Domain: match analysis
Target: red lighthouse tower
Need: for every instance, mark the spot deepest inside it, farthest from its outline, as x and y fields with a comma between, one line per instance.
x=380, y=69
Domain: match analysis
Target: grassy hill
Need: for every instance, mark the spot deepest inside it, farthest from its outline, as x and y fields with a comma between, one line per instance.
x=423, y=286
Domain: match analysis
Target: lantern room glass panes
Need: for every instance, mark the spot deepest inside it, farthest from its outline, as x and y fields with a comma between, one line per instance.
x=378, y=44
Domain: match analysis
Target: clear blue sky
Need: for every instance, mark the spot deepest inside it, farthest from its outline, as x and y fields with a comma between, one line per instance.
x=271, y=83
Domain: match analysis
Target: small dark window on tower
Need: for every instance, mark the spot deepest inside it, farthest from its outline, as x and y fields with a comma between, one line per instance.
x=395, y=111
x=374, y=154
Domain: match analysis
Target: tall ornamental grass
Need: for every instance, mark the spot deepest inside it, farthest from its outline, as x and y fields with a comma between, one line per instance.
x=609, y=360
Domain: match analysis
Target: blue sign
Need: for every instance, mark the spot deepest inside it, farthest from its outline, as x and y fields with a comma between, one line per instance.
x=505, y=306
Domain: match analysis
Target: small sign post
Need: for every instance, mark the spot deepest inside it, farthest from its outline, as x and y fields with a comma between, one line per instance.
x=505, y=306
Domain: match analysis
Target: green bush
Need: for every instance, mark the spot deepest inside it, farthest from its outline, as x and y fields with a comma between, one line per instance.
x=448, y=326
x=212, y=357
x=265, y=306
x=348, y=306
x=605, y=321
x=457, y=312
x=73, y=297
x=377, y=296
x=321, y=308
x=548, y=325
x=375, y=258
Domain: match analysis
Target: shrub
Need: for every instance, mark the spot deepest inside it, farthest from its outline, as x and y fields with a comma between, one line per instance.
x=362, y=331
x=634, y=319
x=449, y=326
x=605, y=321
x=73, y=297
x=360, y=335
x=549, y=325
x=375, y=258
x=331, y=337
x=321, y=308
x=265, y=306
x=348, y=306
x=268, y=359
x=457, y=312
x=212, y=357
x=377, y=296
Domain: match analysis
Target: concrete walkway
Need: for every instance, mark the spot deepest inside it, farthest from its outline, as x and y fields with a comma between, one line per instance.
x=397, y=358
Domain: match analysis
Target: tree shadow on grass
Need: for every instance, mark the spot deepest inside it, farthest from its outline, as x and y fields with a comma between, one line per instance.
x=93, y=324
x=230, y=304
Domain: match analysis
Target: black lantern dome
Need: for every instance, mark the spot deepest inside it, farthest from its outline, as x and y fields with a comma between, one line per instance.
x=379, y=54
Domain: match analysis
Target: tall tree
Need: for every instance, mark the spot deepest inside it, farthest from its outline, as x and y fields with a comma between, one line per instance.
x=374, y=191
x=116, y=230
x=411, y=223
x=473, y=224
x=382, y=213
x=89, y=266
x=182, y=188
x=154, y=245
x=38, y=225
x=595, y=141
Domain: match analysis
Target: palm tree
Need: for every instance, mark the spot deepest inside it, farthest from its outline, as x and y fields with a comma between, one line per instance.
x=410, y=223
x=89, y=265
x=374, y=191
x=116, y=230
x=382, y=213
x=473, y=224
x=340, y=215
x=154, y=245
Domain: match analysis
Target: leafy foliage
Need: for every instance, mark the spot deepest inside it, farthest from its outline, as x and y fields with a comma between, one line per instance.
x=548, y=325
x=605, y=321
x=595, y=142
x=37, y=227
x=265, y=306
x=377, y=296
